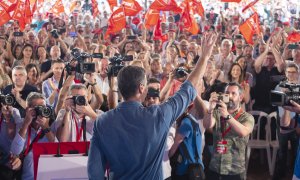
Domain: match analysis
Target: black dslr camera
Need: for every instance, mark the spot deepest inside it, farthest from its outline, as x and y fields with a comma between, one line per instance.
x=79, y=100
x=8, y=99
x=181, y=72
x=82, y=67
x=43, y=111
x=54, y=33
x=116, y=64
x=153, y=92
x=279, y=98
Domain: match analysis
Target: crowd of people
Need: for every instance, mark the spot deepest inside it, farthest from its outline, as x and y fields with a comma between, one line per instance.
x=173, y=106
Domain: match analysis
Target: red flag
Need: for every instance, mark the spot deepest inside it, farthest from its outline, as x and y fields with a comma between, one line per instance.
x=131, y=7
x=18, y=15
x=112, y=4
x=250, y=27
x=188, y=19
x=293, y=37
x=57, y=8
x=4, y=16
x=33, y=6
x=116, y=22
x=27, y=13
x=157, y=31
x=9, y=5
x=249, y=5
x=96, y=11
x=73, y=5
x=151, y=18
x=237, y=1
x=166, y=5
x=198, y=8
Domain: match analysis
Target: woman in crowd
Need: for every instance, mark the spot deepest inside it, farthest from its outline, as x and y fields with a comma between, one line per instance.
x=33, y=75
x=26, y=56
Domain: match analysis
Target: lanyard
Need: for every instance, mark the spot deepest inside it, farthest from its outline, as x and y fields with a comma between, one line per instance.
x=29, y=145
x=229, y=128
x=78, y=132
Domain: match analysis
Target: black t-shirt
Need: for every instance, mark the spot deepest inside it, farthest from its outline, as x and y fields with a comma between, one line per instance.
x=45, y=66
x=265, y=82
x=24, y=93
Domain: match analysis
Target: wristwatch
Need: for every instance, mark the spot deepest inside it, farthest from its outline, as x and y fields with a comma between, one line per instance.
x=227, y=117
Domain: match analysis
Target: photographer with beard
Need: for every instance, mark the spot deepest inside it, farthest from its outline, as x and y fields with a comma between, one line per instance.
x=231, y=129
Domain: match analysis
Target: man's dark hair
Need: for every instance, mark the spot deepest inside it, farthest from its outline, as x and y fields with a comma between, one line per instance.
x=238, y=36
x=235, y=84
x=59, y=61
x=129, y=80
x=153, y=80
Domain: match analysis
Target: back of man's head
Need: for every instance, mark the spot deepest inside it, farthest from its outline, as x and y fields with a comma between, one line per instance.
x=129, y=80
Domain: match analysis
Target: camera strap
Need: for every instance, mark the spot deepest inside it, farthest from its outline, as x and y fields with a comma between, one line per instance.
x=28, y=144
x=1, y=119
x=223, y=122
x=78, y=132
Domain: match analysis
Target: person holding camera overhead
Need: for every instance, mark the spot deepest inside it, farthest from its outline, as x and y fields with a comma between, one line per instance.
x=35, y=128
x=19, y=89
x=231, y=128
x=287, y=123
x=77, y=113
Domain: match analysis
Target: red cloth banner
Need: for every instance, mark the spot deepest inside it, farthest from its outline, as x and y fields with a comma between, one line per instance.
x=250, y=27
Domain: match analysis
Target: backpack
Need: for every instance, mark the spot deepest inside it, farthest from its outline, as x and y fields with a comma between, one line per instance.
x=195, y=169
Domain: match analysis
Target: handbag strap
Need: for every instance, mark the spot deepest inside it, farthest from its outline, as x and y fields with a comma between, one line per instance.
x=183, y=146
x=194, y=124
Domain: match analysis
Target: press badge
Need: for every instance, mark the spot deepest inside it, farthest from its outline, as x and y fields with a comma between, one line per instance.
x=221, y=147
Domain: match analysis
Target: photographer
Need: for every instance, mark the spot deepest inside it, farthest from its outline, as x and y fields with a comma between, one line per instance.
x=231, y=128
x=19, y=89
x=35, y=128
x=69, y=123
x=287, y=125
x=10, y=124
x=295, y=108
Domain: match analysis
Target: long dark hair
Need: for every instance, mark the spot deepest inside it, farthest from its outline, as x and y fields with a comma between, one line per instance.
x=25, y=46
x=241, y=78
x=245, y=66
x=14, y=51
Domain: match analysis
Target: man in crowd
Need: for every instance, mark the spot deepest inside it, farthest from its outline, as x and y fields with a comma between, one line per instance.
x=287, y=125
x=295, y=107
x=76, y=114
x=35, y=128
x=19, y=89
x=225, y=59
x=139, y=157
x=231, y=128
x=269, y=70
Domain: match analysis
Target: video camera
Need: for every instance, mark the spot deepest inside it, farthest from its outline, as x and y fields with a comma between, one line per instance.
x=116, y=64
x=8, y=99
x=82, y=67
x=181, y=72
x=43, y=111
x=279, y=98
